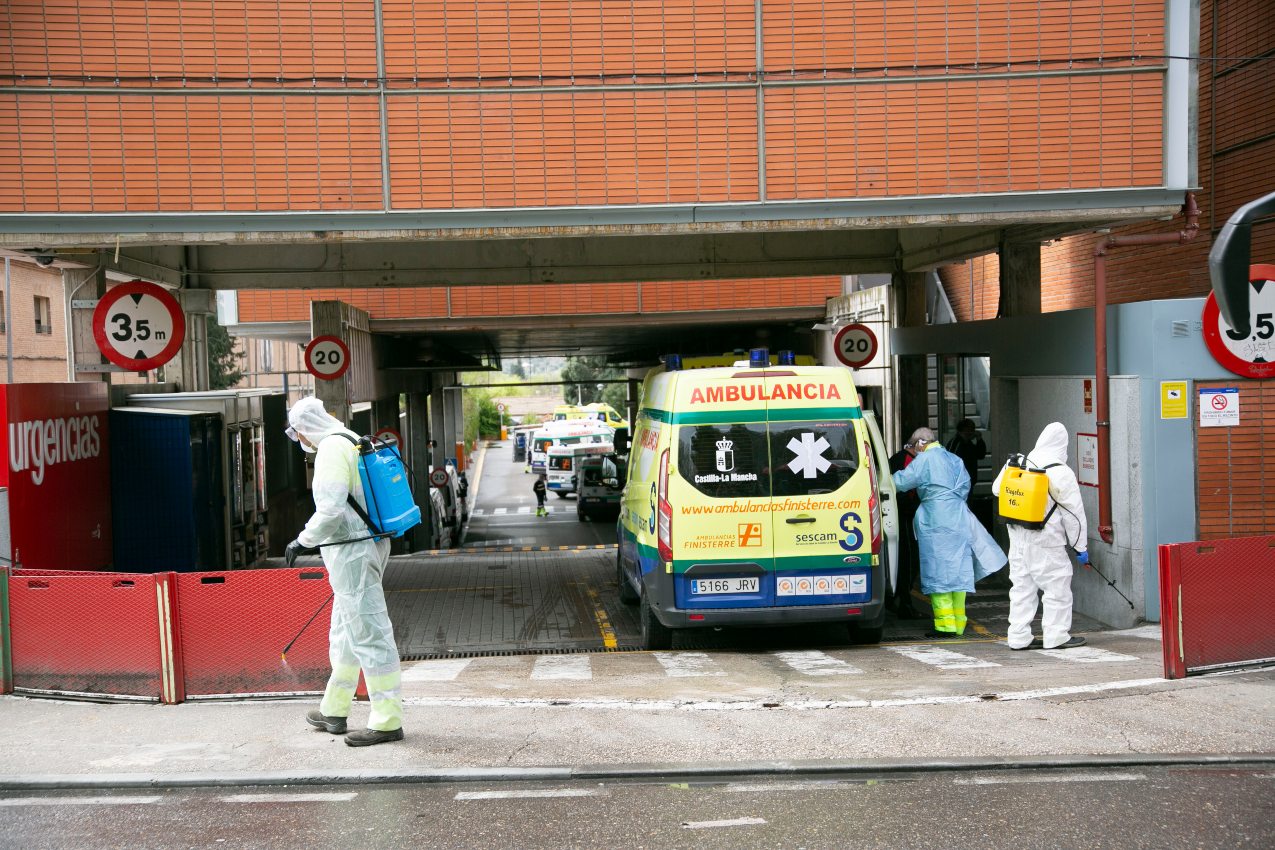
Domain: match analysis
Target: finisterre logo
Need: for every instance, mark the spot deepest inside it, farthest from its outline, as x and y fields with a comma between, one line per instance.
x=43, y=443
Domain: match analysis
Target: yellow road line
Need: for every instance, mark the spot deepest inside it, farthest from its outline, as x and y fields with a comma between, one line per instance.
x=600, y=615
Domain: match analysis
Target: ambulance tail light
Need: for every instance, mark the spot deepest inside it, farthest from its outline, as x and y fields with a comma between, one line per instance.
x=874, y=501
x=664, y=514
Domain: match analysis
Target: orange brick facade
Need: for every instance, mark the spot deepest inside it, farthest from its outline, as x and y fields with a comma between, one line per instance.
x=138, y=106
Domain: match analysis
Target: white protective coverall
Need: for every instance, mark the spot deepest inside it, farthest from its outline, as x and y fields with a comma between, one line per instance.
x=361, y=635
x=1038, y=559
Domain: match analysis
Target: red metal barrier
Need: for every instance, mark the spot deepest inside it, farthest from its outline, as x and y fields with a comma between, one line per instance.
x=233, y=626
x=90, y=634
x=1215, y=604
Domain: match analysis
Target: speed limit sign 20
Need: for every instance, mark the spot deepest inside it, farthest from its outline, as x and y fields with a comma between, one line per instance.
x=327, y=358
x=139, y=325
x=855, y=345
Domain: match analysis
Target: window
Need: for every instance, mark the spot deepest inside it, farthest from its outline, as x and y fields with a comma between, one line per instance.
x=812, y=457
x=43, y=315
x=266, y=351
x=725, y=461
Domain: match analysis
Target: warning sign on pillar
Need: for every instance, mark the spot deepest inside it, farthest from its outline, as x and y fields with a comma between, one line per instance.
x=327, y=358
x=139, y=325
x=1219, y=407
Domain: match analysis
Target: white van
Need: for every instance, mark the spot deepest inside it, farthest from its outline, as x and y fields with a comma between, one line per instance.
x=754, y=497
x=564, y=461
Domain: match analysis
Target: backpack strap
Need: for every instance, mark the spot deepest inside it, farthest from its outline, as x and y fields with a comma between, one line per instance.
x=349, y=497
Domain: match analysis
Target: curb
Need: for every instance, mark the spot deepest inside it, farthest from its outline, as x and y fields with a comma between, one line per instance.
x=668, y=772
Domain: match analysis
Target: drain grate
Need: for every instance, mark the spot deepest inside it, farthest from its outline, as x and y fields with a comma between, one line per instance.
x=500, y=653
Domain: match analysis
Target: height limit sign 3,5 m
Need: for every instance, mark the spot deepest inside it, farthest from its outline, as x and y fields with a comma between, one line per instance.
x=139, y=325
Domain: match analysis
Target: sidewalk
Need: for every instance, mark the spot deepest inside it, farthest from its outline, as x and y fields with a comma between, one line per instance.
x=565, y=730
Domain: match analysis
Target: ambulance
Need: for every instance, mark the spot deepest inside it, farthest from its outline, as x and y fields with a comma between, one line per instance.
x=565, y=432
x=754, y=497
x=564, y=462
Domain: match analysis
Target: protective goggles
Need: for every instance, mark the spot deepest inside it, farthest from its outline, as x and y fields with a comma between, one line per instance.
x=292, y=434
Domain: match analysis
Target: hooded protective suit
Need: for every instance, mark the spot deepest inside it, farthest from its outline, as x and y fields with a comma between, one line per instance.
x=1038, y=559
x=361, y=635
x=956, y=550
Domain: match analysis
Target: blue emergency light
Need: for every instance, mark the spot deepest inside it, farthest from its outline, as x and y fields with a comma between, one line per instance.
x=672, y=362
x=758, y=358
x=787, y=358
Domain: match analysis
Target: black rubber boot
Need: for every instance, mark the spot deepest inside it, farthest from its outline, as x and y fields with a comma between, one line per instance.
x=368, y=737
x=1072, y=643
x=1035, y=644
x=335, y=725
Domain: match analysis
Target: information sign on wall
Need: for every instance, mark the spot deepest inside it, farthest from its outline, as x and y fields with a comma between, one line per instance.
x=1087, y=459
x=1219, y=406
x=1173, y=400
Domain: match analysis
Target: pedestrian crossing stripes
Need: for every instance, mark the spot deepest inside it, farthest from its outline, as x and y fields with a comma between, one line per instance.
x=813, y=663
x=525, y=510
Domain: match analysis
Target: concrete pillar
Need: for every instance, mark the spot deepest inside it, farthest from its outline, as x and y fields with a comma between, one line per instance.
x=1019, y=278
x=456, y=418
x=438, y=419
x=190, y=367
x=417, y=456
x=385, y=414
x=913, y=392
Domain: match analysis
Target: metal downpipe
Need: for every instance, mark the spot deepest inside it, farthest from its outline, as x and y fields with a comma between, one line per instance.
x=1102, y=395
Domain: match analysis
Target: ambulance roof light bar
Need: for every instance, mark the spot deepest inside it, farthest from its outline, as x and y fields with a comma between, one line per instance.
x=672, y=362
x=758, y=358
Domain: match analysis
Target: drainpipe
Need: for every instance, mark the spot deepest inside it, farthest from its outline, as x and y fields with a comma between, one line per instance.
x=1103, y=400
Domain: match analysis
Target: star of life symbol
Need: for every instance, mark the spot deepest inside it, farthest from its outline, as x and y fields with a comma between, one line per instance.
x=725, y=455
x=809, y=460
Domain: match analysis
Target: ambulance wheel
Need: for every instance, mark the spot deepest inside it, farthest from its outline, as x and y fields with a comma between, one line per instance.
x=628, y=595
x=560, y=494
x=655, y=635
x=865, y=634
x=580, y=514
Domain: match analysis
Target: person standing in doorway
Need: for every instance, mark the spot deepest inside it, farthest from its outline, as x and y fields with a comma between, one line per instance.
x=361, y=636
x=1038, y=559
x=956, y=551
x=970, y=448
x=538, y=487
x=909, y=563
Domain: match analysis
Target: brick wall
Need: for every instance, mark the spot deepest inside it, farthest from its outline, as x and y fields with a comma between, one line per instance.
x=1236, y=165
x=1235, y=468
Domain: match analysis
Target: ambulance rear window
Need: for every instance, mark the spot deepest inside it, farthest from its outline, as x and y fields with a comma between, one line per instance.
x=809, y=458
x=724, y=461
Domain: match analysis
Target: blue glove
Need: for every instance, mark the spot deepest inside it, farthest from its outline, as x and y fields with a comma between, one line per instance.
x=1082, y=557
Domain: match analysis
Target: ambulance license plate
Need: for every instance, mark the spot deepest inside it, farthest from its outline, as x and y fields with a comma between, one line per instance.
x=723, y=585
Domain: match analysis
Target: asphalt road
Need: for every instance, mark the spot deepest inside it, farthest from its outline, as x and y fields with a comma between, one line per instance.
x=1151, y=807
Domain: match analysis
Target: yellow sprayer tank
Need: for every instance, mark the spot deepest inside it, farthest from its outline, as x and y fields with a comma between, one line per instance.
x=1024, y=496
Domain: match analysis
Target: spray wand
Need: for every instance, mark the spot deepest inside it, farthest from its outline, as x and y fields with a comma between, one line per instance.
x=1104, y=578
x=284, y=654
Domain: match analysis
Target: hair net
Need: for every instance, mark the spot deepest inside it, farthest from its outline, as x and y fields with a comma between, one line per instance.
x=308, y=418
x=921, y=435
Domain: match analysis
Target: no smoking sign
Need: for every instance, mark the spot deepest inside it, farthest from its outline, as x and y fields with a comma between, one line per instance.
x=1219, y=406
x=139, y=326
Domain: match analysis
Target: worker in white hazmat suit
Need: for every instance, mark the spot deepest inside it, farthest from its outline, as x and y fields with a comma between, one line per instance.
x=361, y=635
x=1038, y=559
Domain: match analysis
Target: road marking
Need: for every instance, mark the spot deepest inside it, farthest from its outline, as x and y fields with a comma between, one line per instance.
x=500, y=512
x=436, y=670
x=815, y=663
x=477, y=512
x=316, y=797
x=685, y=665
x=525, y=509
x=944, y=659
x=609, y=704
x=714, y=824
x=562, y=667
x=600, y=617
x=79, y=801
x=1151, y=632
x=1066, y=777
x=766, y=787
x=525, y=795
x=1086, y=655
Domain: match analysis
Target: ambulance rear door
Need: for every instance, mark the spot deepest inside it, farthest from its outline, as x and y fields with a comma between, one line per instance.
x=821, y=520
x=887, y=495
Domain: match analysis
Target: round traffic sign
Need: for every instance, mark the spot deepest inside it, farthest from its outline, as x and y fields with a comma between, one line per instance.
x=855, y=345
x=139, y=325
x=327, y=357
x=1252, y=356
x=438, y=478
x=388, y=436
x=500, y=407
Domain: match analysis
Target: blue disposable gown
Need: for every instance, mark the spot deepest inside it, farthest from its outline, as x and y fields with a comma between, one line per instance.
x=956, y=550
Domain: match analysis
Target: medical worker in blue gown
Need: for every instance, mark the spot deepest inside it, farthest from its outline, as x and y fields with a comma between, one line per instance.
x=361, y=635
x=956, y=550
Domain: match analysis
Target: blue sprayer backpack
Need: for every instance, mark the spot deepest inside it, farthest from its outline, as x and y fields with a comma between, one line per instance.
x=391, y=508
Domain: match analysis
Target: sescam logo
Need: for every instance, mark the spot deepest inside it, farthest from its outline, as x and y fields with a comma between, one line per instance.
x=35, y=445
x=761, y=392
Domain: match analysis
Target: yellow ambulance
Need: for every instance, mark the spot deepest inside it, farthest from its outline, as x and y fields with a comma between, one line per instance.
x=754, y=497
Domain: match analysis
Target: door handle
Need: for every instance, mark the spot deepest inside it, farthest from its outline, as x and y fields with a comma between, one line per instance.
x=799, y=519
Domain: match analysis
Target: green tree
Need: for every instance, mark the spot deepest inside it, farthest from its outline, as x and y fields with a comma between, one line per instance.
x=580, y=379
x=223, y=360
